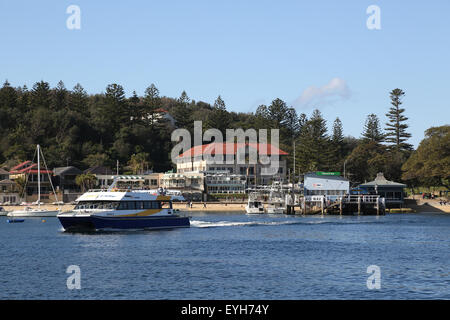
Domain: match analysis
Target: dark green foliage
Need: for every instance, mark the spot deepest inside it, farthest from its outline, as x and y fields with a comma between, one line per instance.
x=430, y=163
x=78, y=129
x=314, y=147
x=219, y=118
x=372, y=130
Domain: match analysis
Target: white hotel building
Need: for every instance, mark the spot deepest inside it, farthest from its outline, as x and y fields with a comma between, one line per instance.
x=195, y=160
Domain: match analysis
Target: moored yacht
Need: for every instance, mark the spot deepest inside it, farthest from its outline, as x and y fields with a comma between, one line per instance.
x=276, y=203
x=37, y=212
x=3, y=212
x=255, y=204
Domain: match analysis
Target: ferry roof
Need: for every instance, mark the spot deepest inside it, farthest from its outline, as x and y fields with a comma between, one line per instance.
x=120, y=196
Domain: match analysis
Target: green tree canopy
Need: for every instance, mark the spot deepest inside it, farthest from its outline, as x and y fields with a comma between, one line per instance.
x=431, y=159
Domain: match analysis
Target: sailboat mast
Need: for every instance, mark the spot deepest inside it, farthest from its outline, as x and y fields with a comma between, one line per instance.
x=39, y=176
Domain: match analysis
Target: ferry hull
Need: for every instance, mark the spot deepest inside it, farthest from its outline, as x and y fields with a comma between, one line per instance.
x=76, y=223
x=123, y=223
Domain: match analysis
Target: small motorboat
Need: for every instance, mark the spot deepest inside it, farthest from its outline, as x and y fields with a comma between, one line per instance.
x=15, y=220
x=3, y=212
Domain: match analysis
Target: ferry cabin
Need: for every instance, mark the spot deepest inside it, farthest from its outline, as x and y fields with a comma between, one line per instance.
x=124, y=202
x=123, y=205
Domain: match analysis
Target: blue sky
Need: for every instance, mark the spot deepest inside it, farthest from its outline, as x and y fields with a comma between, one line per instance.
x=312, y=54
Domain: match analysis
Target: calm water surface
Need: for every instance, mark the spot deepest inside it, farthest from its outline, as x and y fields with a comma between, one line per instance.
x=232, y=256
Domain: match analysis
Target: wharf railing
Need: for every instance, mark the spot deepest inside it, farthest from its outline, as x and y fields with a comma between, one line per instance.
x=322, y=203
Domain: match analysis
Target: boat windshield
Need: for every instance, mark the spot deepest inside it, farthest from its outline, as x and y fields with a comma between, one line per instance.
x=122, y=205
x=91, y=205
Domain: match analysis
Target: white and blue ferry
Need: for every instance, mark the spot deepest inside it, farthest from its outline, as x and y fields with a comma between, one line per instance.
x=116, y=209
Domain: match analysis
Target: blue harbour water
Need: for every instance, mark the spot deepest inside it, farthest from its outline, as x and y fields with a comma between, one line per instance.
x=232, y=256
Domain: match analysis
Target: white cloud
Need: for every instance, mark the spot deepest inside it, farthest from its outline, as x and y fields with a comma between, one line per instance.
x=336, y=90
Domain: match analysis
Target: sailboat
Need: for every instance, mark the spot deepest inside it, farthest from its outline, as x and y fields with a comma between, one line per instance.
x=36, y=212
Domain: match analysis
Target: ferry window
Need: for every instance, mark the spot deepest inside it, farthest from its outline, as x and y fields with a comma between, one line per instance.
x=131, y=205
x=156, y=205
x=122, y=206
x=147, y=205
x=139, y=205
x=166, y=205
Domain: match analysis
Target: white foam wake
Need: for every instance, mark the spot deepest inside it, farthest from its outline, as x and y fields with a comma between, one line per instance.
x=213, y=224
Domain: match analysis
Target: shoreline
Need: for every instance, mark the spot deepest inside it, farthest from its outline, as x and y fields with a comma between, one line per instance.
x=426, y=205
x=419, y=206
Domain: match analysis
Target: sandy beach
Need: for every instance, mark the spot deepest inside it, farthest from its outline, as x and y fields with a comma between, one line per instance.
x=427, y=205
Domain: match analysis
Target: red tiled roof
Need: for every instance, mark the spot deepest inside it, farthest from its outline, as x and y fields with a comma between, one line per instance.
x=20, y=165
x=30, y=169
x=262, y=148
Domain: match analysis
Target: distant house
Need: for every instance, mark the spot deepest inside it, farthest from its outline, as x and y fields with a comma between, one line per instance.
x=9, y=192
x=65, y=178
x=391, y=191
x=162, y=114
x=4, y=175
x=157, y=116
x=330, y=184
x=29, y=171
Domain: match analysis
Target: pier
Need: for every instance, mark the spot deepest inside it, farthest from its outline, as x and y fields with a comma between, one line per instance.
x=338, y=205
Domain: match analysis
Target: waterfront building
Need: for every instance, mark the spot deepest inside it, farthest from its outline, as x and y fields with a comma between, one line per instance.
x=330, y=184
x=194, y=160
x=224, y=182
x=189, y=181
x=65, y=179
x=28, y=171
x=392, y=191
x=65, y=182
x=9, y=192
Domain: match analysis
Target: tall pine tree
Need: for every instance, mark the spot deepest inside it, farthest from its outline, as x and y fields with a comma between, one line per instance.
x=372, y=130
x=396, y=135
x=314, y=152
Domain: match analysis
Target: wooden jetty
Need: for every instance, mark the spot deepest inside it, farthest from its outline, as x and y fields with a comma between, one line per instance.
x=341, y=205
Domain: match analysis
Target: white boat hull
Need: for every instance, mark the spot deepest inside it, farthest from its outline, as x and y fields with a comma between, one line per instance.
x=275, y=210
x=254, y=210
x=33, y=213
